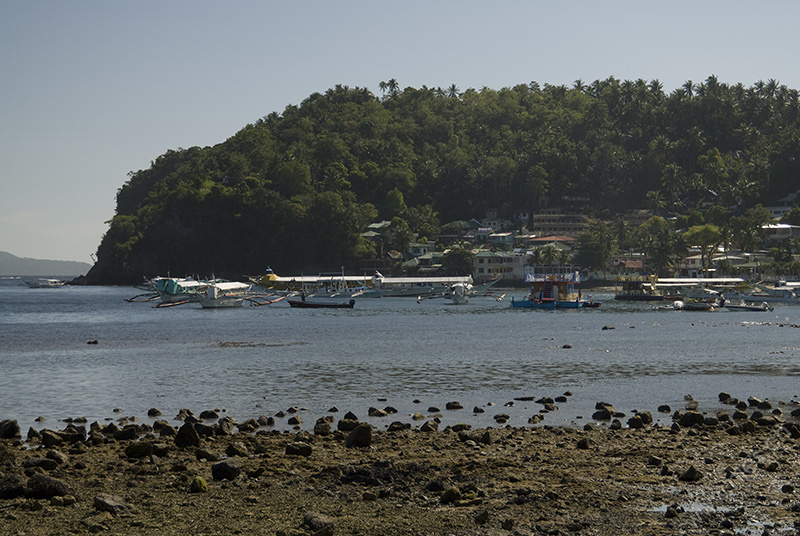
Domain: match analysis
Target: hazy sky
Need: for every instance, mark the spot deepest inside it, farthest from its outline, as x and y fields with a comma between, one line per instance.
x=94, y=89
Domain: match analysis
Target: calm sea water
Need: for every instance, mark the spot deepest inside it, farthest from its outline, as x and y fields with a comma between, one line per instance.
x=254, y=361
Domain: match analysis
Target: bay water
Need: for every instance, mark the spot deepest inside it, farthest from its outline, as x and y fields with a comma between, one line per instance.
x=414, y=357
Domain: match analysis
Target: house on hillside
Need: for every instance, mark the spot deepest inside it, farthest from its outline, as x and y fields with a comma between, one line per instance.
x=777, y=233
x=559, y=221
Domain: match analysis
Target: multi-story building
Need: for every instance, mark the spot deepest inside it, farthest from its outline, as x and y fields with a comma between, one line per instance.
x=559, y=221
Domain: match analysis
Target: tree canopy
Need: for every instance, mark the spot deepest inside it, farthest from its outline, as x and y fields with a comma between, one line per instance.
x=295, y=190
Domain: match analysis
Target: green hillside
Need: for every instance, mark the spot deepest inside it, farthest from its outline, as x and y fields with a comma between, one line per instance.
x=295, y=190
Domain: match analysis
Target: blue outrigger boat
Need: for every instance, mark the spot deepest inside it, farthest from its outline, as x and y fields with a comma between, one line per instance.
x=553, y=291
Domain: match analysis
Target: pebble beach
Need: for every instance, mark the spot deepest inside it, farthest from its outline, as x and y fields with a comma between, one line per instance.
x=724, y=472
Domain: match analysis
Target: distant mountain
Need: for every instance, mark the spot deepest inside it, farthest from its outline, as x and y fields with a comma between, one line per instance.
x=13, y=265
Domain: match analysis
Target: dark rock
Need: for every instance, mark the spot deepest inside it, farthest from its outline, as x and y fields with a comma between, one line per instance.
x=584, y=444
x=322, y=427
x=654, y=461
x=347, y=425
x=226, y=425
x=127, y=433
x=9, y=429
x=603, y=413
x=205, y=430
x=460, y=427
x=691, y=418
x=768, y=420
x=43, y=463
x=360, y=437
x=139, y=449
x=397, y=426
x=390, y=410
x=204, y=454
x=606, y=328
x=237, y=448
x=112, y=504
x=567, y=346
x=41, y=486
x=198, y=485
x=209, y=415
x=739, y=415
x=453, y=405
x=350, y=416
x=433, y=409
x=502, y=418
x=248, y=426
x=266, y=421
x=11, y=492
x=376, y=412
x=635, y=422
x=295, y=420
x=73, y=434
x=450, y=495
x=793, y=429
x=753, y=401
x=187, y=436
x=167, y=431
x=226, y=470
x=429, y=426
x=317, y=522
x=153, y=412
x=50, y=438
x=478, y=409
x=299, y=448
x=690, y=475
x=59, y=457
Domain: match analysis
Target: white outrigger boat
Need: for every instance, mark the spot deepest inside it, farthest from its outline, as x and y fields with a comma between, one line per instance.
x=45, y=283
x=413, y=286
x=225, y=294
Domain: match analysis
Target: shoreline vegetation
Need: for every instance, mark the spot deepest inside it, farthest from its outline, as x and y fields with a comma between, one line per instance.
x=727, y=472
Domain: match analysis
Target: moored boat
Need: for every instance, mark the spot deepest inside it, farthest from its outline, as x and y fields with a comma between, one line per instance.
x=45, y=283
x=640, y=288
x=552, y=291
x=224, y=294
x=744, y=306
x=302, y=303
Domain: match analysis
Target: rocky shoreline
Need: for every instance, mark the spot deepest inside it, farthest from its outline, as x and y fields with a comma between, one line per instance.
x=733, y=472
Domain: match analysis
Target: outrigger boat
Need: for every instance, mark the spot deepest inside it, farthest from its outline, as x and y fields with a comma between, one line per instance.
x=552, y=291
x=641, y=288
x=302, y=303
x=45, y=283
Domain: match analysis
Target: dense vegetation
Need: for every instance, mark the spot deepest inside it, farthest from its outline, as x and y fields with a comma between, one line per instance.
x=295, y=190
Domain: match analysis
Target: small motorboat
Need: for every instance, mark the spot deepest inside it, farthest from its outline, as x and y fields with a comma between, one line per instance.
x=320, y=304
x=744, y=306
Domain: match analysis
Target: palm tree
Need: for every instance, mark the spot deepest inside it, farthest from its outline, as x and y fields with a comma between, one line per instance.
x=688, y=87
x=655, y=200
x=452, y=91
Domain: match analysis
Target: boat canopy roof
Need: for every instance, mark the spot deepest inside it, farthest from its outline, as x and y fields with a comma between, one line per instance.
x=697, y=282
x=319, y=278
x=230, y=285
x=432, y=280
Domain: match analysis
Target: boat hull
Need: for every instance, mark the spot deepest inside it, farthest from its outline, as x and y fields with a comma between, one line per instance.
x=546, y=304
x=301, y=304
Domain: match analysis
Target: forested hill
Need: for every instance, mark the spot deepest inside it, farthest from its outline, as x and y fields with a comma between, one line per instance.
x=295, y=190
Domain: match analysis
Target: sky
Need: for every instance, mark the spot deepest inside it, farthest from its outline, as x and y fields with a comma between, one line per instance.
x=92, y=90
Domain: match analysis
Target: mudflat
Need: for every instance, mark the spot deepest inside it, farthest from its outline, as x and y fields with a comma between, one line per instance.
x=707, y=476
